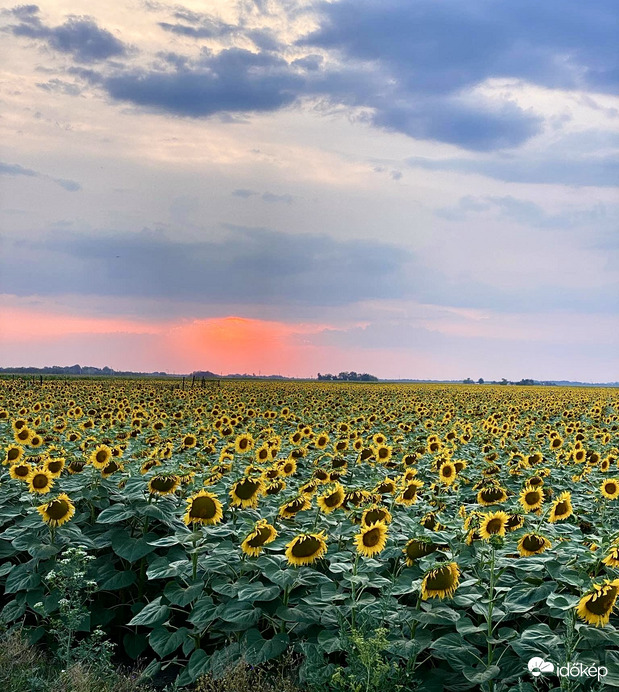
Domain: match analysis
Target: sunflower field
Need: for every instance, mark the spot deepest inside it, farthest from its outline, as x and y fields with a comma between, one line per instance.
x=463, y=530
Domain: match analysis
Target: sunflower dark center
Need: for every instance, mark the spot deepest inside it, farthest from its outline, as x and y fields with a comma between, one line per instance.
x=306, y=547
x=58, y=509
x=40, y=481
x=447, y=470
x=262, y=536
x=55, y=466
x=440, y=580
x=610, y=487
x=532, y=498
x=295, y=505
x=410, y=492
x=492, y=494
x=13, y=454
x=417, y=549
x=246, y=489
x=562, y=508
x=163, y=484
x=203, y=508
x=372, y=537
x=494, y=525
x=514, y=521
x=334, y=499
x=112, y=467
x=375, y=515
x=21, y=471
x=101, y=456
x=532, y=543
x=603, y=603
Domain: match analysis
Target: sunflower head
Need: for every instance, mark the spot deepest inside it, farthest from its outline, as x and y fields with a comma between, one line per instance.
x=289, y=509
x=203, y=508
x=493, y=524
x=610, y=488
x=447, y=472
x=100, y=456
x=163, y=484
x=58, y=511
x=332, y=499
x=531, y=498
x=491, y=496
x=561, y=508
x=262, y=534
x=13, y=454
x=371, y=539
x=416, y=548
x=246, y=492
x=39, y=481
x=596, y=606
x=533, y=544
x=375, y=513
x=441, y=582
x=306, y=548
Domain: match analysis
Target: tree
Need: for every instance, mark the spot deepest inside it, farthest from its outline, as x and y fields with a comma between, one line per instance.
x=480, y=380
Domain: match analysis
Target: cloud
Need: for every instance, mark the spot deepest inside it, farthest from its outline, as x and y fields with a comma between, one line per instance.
x=599, y=171
x=79, y=36
x=13, y=169
x=234, y=80
x=528, y=213
x=244, y=193
x=251, y=265
x=270, y=197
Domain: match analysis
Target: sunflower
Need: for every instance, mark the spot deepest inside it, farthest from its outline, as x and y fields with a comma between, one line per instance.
x=597, y=604
x=491, y=496
x=388, y=485
x=610, y=488
x=441, y=582
x=531, y=498
x=274, y=487
x=57, y=511
x=447, y=472
x=375, y=513
x=189, y=441
x=262, y=534
x=493, y=524
x=328, y=502
x=54, y=466
x=382, y=452
x=416, y=548
x=23, y=436
x=76, y=466
x=246, y=492
x=371, y=539
x=288, y=467
x=110, y=468
x=100, y=456
x=306, y=548
x=163, y=484
x=409, y=495
x=244, y=443
x=20, y=471
x=533, y=544
x=39, y=481
x=290, y=509
x=203, y=508
x=321, y=441
x=612, y=559
x=514, y=522
x=561, y=508
x=13, y=454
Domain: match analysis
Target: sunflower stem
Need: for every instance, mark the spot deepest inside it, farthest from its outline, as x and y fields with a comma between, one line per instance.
x=490, y=611
x=194, y=558
x=352, y=593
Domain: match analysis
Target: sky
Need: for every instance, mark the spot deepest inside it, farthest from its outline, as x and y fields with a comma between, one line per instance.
x=410, y=188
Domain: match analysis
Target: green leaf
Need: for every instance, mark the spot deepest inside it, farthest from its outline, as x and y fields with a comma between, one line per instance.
x=258, y=592
x=164, y=641
x=197, y=665
x=118, y=580
x=481, y=674
x=240, y=614
x=115, y=514
x=258, y=650
x=523, y=597
x=21, y=578
x=12, y=611
x=6, y=568
x=134, y=644
x=178, y=595
x=152, y=614
x=203, y=612
x=161, y=568
x=536, y=641
x=329, y=641
x=131, y=549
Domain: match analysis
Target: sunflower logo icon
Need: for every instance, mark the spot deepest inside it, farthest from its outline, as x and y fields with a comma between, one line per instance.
x=537, y=666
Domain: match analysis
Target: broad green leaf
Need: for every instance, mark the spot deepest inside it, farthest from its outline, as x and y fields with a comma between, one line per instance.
x=153, y=613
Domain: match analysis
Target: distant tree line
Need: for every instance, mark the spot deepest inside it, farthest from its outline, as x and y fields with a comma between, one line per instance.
x=351, y=376
x=524, y=382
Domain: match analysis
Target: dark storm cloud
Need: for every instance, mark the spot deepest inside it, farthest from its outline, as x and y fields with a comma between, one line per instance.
x=233, y=80
x=79, y=36
x=253, y=265
x=601, y=171
x=13, y=169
